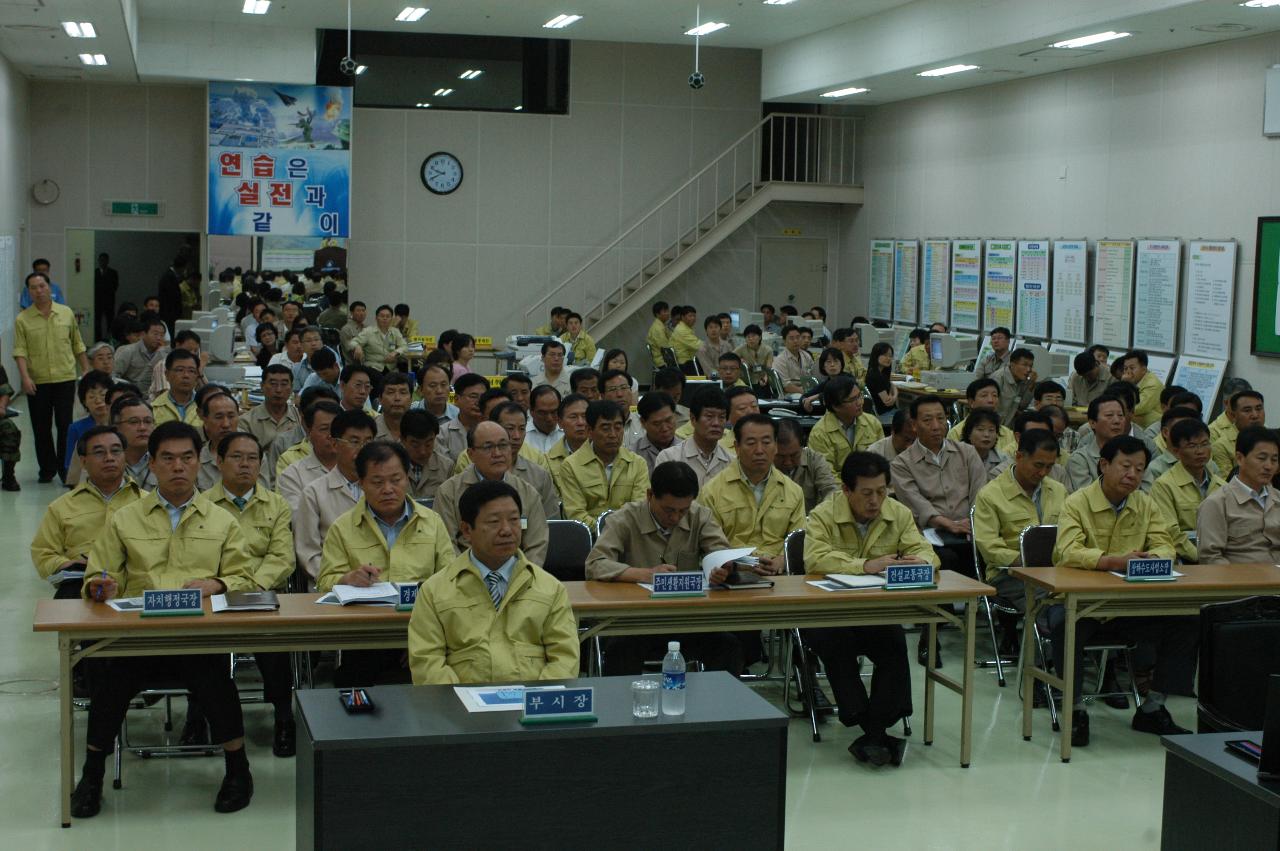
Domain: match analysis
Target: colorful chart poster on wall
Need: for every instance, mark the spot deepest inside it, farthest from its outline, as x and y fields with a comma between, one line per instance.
x=1201, y=376
x=1033, y=289
x=880, y=282
x=1209, y=307
x=1070, y=288
x=1156, y=286
x=906, y=281
x=279, y=160
x=998, y=279
x=935, y=282
x=1112, y=292
x=966, y=284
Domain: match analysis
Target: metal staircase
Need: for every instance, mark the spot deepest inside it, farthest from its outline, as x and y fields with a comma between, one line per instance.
x=806, y=158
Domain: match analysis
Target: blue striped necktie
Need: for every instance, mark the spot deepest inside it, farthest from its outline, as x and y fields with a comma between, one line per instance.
x=494, y=581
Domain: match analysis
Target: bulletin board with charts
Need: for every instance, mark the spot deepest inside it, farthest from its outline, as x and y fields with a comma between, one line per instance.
x=1266, y=279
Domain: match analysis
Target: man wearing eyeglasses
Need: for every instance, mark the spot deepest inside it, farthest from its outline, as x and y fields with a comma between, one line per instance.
x=489, y=448
x=845, y=427
x=72, y=521
x=336, y=492
x=467, y=392
x=178, y=403
x=218, y=412
x=133, y=419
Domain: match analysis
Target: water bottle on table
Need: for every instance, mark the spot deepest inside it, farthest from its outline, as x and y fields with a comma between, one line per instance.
x=673, y=669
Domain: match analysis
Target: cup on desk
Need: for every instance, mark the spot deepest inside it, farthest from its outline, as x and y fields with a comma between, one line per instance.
x=646, y=694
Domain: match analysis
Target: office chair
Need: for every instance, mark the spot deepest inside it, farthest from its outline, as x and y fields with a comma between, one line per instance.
x=568, y=543
x=1237, y=658
x=990, y=605
x=600, y=522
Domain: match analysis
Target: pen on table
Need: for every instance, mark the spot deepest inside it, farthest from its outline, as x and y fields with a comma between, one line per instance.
x=101, y=588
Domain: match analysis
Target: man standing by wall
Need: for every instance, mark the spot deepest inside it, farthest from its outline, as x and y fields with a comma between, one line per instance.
x=105, y=283
x=46, y=348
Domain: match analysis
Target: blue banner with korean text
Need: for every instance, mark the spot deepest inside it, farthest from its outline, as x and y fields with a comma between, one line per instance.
x=279, y=160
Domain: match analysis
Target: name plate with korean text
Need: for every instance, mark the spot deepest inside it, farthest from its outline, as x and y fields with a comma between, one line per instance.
x=902, y=577
x=679, y=584
x=408, y=596
x=558, y=705
x=180, y=602
x=1149, y=570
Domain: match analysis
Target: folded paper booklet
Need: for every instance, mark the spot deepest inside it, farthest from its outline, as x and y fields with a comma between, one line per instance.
x=848, y=582
x=244, y=601
x=378, y=594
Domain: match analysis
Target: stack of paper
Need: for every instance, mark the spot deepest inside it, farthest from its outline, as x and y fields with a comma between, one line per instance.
x=848, y=582
x=378, y=594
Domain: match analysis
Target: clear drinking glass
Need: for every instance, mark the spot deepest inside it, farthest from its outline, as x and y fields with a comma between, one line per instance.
x=646, y=695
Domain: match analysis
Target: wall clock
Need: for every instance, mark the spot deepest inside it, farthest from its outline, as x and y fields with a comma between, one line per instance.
x=441, y=173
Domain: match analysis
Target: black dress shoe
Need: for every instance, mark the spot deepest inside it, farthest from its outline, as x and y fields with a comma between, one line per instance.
x=821, y=704
x=10, y=485
x=45, y=478
x=1159, y=722
x=897, y=749
x=194, y=732
x=922, y=653
x=86, y=800
x=235, y=793
x=875, y=750
x=285, y=742
x=1079, y=728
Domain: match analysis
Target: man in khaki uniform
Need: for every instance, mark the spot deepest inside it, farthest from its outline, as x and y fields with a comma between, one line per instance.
x=1108, y=417
x=1102, y=527
x=264, y=521
x=489, y=448
x=167, y=539
x=845, y=427
x=293, y=480
x=664, y=532
x=492, y=615
x=803, y=466
x=1149, y=385
x=1180, y=490
x=218, y=415
x=601, y=475
x=381, y=346
x=1240, y=522
x=1016, y=383
x=386, y=537
x=863, y=531
x=902, y=433
x=73, y=521
x=428, y=466
x=276, y=415
x=333, y=494
x=659, y=337
x=527, y=463
x=394, y=398
x=1247, y=410
x=178, y=403
x=657, y=412
x=703, y=450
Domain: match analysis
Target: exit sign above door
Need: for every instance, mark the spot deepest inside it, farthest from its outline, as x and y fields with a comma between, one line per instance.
x=134, y=208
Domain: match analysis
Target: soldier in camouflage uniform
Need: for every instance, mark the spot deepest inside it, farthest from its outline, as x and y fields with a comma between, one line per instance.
x=10, y=439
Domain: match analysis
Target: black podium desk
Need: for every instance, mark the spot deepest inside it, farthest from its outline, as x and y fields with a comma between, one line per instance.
x=1212, y=798
x=423, y=772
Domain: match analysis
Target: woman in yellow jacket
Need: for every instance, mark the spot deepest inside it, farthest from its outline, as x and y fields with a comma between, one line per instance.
x=492, y=615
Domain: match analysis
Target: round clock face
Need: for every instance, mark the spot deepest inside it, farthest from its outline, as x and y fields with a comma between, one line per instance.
x=441, y=173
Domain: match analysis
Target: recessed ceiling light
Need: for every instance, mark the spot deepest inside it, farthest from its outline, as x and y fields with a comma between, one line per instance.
x=559, y=22
x=706, y=29
x=424, y=106
x=949, y=69
x=79, y=30
x=443, y=93
x=470, y=74
x=1260, y=4
x=778, y=2
x=840, y=93
x=360, y=69
x=256, y=7
x=1086, y=40
x=93, y=58
x=518, y=108
x=410, y=14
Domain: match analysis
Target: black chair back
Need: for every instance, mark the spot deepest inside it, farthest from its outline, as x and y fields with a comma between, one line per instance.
x=793, y=552
x=568, y=544
x=1036, y=545
x=1238, y=643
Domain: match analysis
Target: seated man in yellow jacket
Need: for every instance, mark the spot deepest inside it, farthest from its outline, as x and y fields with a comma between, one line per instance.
x=167, y=540
x=601, y=474
x=1022, y=495
x=1103, y=526
x=182, y=369
x=264, y=518
x=1181, y=490
x=1247, y=410
x=387, y=537
x=1149, y=385
x=845, y=427
x=492, y=615
x=863, y=530
x=74, y=520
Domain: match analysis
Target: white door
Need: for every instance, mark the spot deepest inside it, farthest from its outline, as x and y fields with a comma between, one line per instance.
x=792, y=271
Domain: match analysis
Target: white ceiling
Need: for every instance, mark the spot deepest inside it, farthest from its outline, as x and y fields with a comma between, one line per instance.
x=809, y=46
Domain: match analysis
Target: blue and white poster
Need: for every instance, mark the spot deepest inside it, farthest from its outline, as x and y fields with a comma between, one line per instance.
x=279, y=160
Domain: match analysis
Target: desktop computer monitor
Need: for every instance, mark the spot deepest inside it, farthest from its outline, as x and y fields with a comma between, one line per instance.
x=218, y=341
x=945, y=351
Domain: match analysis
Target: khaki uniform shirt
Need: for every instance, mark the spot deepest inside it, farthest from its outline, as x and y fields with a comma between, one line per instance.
x=685, y=343
x=1003, y=509
x=1148, y=410
x=426, y=480
x=457, y=636
x=1090, y=528
x=293, y=481
x=136, y=365
x=646, y=450
x=264, y=521
x=1179, y=497
x=833, y=542
x=586, y=491
x=830, y=439
x=1015, y=396
x=421, y=550
x=793, y=368
x=258, y=422
x=376, y=346
x=164, y=410
x=930, y=489
x=73, y=521
x=657, y=339
x=1233, y=529
x=50, y=344
x=990, y=365
x=632, y=538
x=815, y=478
x=709, y=353
x=323, y=502
x=1084, y=391
x=534, y=537
x=706, y=467
x=142, y=551
x=763, y=525
x=209, y=474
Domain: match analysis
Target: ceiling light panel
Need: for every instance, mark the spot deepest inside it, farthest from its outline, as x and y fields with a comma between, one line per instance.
x=559, y=22
x=707, y=29
x=945, y=71
x=470, y=74
x=93, y=58
x=842, y=93
x=256, y=7
x=1087, y=40
x=82, y=29
x=443, y=93
x=411, y=14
